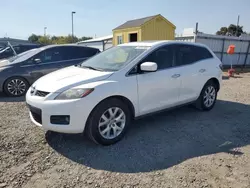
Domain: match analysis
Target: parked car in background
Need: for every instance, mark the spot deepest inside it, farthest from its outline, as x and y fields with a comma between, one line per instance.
x=8, y=51
x=107, y=91
x=19, y=72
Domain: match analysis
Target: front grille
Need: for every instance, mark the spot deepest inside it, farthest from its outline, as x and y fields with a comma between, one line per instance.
x=41, y=93
x=36, y=114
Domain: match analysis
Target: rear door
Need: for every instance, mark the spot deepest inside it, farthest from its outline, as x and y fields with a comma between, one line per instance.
x=192, y=62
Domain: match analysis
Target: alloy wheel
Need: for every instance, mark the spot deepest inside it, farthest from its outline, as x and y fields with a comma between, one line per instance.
x=112, y=123
x=16, y=87
x=209, y=96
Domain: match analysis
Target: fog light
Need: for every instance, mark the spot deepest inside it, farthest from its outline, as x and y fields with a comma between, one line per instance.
x=60, y=120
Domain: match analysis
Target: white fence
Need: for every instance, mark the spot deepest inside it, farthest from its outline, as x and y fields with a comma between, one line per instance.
x=219, y=45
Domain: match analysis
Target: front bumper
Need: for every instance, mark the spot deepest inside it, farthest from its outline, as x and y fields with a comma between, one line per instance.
x=41, y=110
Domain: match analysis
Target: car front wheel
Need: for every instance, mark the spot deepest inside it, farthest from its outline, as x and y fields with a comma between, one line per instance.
x=16, y=87
x=108, y=122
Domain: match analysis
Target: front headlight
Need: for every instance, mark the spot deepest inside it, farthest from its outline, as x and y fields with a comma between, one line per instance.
x=74, y=94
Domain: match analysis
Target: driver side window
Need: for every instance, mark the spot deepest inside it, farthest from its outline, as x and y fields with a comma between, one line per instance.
x=47, y=56
x=32, y=59
x=163, y=57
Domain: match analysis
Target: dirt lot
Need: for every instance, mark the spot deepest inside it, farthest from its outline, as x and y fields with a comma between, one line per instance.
x=181, y=148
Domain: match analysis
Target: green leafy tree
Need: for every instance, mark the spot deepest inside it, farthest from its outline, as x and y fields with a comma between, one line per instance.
x=84, y=38
x=222, y=31
x=33, y=38
x=231, y=30
x=54, y=39
x=235, y=30
x=45, y=40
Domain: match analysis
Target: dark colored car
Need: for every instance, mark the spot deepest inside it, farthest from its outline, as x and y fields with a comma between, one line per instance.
x=19, y=72
x=8, y=52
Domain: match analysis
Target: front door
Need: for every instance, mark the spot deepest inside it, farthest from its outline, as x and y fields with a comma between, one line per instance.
x=43, y=63
x=159, y=90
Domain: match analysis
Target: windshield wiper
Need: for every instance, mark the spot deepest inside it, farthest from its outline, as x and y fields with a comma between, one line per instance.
x=92, y=68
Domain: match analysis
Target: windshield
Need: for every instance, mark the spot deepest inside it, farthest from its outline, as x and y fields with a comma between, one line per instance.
x=25, y=55
x=114, y=58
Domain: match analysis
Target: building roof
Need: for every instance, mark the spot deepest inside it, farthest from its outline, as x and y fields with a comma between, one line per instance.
x=100, y=39
x=135, y=23
x=139, y=22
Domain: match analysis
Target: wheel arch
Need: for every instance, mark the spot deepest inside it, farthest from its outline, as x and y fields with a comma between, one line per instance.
x=215, y=81
x=125, y=100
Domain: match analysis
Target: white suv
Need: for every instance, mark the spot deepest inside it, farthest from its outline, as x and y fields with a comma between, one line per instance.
x=103, y=94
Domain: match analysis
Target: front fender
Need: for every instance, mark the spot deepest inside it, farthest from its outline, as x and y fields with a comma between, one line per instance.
x=108, y=88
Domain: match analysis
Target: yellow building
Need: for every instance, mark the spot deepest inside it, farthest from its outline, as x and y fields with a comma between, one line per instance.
x=150, y=28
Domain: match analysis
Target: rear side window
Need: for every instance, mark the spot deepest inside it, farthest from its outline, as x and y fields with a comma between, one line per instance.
x=74, y=52
x=90, y=51
x=202, y=53
x=188, y=54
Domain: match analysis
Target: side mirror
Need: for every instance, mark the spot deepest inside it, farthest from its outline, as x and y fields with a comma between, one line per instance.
x=37, y=61
x=148, y=67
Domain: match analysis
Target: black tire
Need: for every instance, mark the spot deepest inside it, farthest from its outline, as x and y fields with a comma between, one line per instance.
x=92, y=127
x=23, y=85
x=200, y=103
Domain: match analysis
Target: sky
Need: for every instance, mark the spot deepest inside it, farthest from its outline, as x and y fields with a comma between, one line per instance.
x=21, y=18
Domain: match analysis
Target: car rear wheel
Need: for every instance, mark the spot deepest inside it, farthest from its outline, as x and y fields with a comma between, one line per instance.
x=16, y=87
x=108, y=122
x=208, y=97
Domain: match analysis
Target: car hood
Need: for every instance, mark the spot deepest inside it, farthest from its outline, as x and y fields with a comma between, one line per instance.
x=69, y=77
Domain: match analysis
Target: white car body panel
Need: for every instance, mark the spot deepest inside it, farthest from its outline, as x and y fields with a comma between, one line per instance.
x=147, y=92
x=157, y=90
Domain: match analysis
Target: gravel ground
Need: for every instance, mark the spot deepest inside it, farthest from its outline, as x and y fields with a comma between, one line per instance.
x=180, y=148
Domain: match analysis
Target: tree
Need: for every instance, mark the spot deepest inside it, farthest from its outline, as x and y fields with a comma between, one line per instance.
x=45, y=40
x=231, y=30
x=84, y=38
x=33, y=38
x=234, y=30
x=55, y=39
x=222, y=31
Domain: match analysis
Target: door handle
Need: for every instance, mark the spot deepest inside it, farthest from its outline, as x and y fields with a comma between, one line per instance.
x=202, y=70
x=176, y=76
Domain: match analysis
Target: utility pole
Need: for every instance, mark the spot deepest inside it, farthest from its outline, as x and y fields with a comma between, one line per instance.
x=196, y=28
x=238, y=20
x=72, y=17
x=45, y=31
